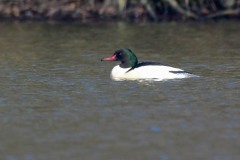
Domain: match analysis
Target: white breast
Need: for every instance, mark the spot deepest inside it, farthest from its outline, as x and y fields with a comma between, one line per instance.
x=156, y=72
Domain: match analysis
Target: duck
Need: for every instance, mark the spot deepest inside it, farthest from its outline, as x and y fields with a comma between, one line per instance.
x=130, y=69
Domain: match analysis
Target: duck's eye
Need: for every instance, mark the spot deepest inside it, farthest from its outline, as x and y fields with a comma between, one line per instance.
x=120, y=54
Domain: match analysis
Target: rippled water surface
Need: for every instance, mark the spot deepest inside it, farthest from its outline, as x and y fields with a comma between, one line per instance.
x=57, y=100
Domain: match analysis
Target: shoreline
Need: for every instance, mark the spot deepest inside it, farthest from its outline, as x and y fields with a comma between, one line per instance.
x=114, y=11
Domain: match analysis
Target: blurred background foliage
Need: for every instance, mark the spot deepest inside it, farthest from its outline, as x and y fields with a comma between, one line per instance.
x=129, y=10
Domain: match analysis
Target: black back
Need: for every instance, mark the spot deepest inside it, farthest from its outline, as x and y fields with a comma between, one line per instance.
x=146, y=64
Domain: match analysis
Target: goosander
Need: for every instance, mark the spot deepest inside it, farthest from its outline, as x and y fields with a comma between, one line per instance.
x=130, y=69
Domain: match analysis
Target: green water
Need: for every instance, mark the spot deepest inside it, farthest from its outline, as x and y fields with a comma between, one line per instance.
x=57, y=100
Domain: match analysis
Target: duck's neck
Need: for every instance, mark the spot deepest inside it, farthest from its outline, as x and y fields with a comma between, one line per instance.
x=128, y=63
x=125, y=64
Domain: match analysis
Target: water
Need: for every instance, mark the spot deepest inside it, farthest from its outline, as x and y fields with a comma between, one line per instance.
x=57, y=100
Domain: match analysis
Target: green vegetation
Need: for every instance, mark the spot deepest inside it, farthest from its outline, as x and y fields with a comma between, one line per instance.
x=130, y=10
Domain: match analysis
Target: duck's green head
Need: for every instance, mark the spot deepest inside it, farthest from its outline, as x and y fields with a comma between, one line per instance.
x=126, y=56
